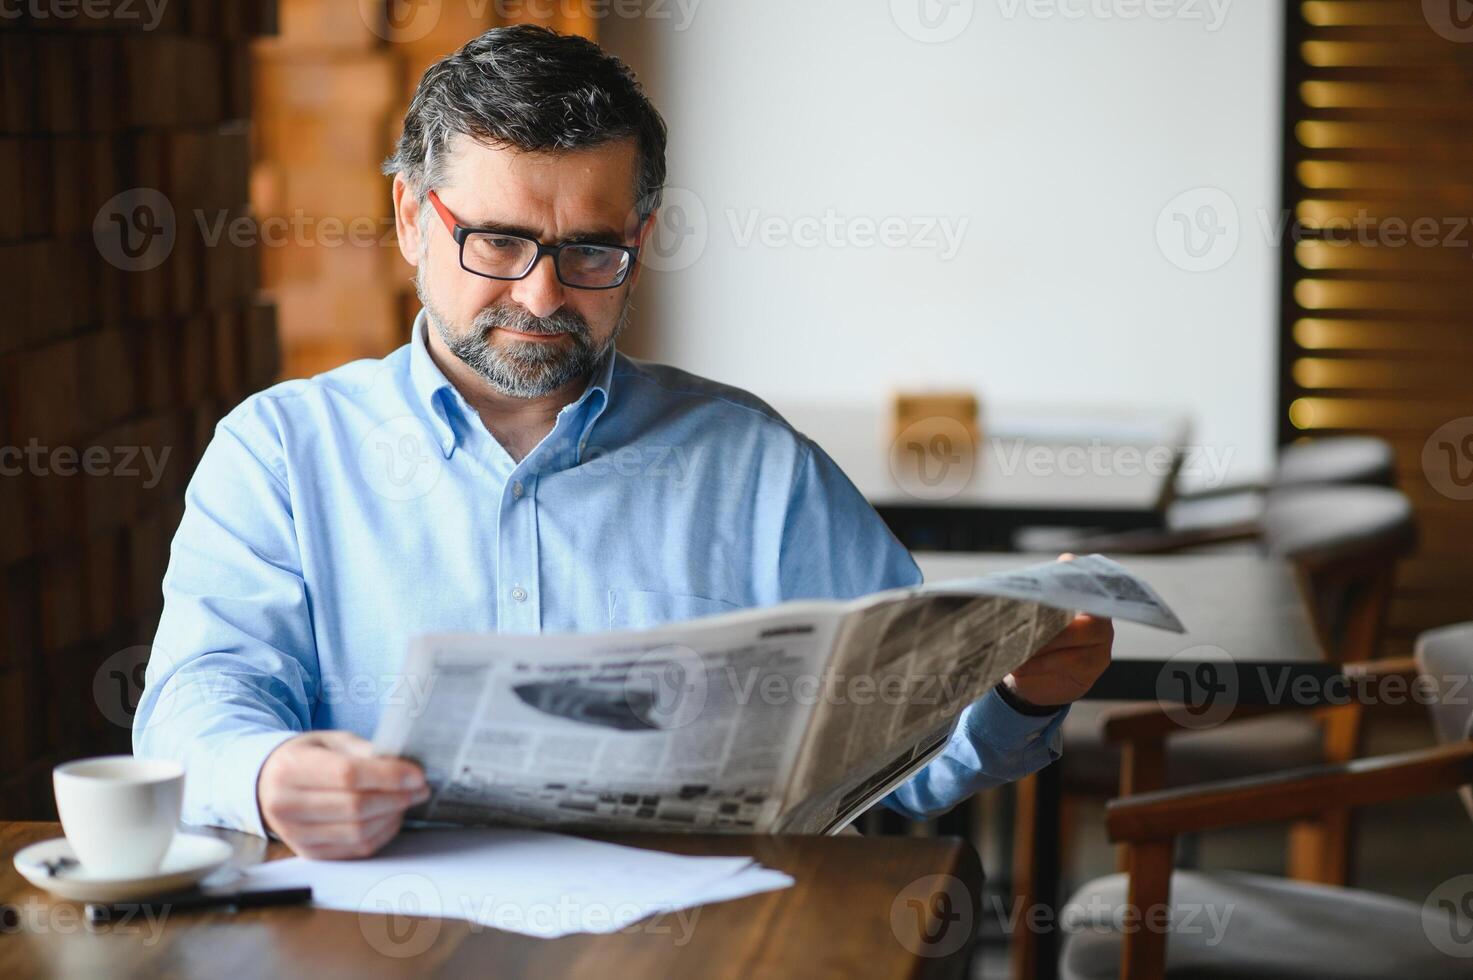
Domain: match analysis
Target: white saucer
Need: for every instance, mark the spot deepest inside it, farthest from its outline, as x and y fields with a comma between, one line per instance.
x=190, y=858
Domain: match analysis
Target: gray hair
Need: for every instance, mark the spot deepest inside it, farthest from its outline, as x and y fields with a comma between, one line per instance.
x=530, y=89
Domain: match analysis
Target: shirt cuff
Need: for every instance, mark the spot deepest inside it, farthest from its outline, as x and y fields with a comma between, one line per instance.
x=232, y=780
x=1037, y=739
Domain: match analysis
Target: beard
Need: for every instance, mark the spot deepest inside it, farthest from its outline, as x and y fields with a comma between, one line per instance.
x=524, y=368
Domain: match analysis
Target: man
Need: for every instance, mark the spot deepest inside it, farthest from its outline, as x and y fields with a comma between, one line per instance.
x=506, y=470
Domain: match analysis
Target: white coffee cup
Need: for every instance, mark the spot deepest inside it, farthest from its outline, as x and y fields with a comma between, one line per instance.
x=119, y=812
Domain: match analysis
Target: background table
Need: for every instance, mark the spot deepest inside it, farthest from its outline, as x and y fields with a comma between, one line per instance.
x=1004, y=487
x=1241, y=611
x=852, y=913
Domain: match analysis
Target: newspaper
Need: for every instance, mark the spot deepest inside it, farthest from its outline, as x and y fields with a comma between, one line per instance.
x=789, y=719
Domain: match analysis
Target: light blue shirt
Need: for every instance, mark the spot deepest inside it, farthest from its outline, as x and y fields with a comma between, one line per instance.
x=331, y=520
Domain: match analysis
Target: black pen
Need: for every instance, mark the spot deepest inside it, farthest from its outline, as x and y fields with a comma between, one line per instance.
x=101, y=912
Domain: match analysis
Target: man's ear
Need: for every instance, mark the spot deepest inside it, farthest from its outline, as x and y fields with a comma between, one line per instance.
x=406, y=220
x=646, y=229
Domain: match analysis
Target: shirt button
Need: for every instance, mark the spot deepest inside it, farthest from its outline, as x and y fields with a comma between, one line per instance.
x=516, y=490
x=519, y=594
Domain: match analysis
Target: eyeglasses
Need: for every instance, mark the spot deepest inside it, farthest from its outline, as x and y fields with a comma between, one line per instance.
x=497, y=255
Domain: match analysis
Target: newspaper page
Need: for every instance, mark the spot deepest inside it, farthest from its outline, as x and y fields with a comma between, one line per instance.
x=686, y=727
x=794, y=718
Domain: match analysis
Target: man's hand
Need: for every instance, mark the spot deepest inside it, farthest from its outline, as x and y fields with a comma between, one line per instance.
x=1061, y=672
x=328, y=796
x=1067, y=667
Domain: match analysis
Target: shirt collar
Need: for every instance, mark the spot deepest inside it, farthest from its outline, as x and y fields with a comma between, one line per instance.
x=436, y=394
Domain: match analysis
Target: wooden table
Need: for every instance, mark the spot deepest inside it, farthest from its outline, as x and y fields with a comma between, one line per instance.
x=1247, y=624
x=1032, y=468
x=862, y=907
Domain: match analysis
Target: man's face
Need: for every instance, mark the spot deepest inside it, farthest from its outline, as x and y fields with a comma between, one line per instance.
x=528, y=337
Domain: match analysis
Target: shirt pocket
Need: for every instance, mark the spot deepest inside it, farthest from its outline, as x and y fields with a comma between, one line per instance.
x=643, y=608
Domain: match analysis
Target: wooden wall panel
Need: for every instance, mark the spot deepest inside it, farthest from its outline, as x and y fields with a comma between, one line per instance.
x=1378, y=281
x=110, y=347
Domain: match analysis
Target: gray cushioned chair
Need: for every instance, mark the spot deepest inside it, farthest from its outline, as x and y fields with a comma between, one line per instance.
x=1249, y=925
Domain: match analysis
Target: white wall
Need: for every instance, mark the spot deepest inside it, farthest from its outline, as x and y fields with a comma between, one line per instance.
x=1052, y=140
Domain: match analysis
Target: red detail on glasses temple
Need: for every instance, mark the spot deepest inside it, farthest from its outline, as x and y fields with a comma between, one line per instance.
x=444, y=212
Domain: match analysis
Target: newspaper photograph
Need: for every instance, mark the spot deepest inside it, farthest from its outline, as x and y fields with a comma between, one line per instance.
x=793, y=718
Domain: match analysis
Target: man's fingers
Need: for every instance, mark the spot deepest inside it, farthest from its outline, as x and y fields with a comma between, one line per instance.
x=315, y=766
x=1067, y=661
x=344, y=742
x=332, y=840
x=1085, y=630
x=337, y=806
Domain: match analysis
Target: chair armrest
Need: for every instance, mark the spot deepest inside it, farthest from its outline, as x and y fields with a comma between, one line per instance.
x=1404, y=668
x=1140, y=722
x=1296, y=794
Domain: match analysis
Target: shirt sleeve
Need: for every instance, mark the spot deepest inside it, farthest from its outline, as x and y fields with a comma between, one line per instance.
x=992, y=745
x=233, y=670
x=835, y=546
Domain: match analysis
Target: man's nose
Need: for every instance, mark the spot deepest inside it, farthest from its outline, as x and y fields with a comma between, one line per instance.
x=540, y=293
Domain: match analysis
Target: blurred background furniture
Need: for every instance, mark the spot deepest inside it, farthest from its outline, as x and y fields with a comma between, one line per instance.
x=1246, y=620
x=1282, y=928
x=1233, y=513
x=1343, y=543
x=1031, y=467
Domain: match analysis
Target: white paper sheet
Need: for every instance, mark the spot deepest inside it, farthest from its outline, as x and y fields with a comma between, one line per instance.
x=531, y=882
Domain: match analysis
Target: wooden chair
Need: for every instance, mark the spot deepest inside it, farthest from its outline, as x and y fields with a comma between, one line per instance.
x=1283, y=928
x=1344, y=543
